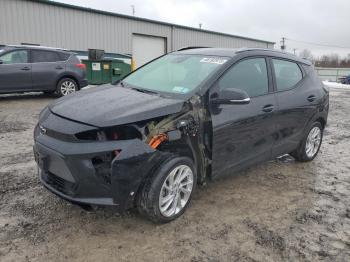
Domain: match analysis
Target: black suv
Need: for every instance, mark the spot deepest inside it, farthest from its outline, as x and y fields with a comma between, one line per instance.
x=184, y=118
x=36, y=68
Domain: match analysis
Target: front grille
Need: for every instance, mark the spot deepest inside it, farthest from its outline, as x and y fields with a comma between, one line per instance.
x=60, y=184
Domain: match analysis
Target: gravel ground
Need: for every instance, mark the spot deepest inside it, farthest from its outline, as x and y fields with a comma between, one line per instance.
x=277, y=211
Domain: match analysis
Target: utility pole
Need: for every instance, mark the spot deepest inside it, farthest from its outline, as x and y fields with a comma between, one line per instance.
x=133, y=10
x=294, y=51
x=283, y=44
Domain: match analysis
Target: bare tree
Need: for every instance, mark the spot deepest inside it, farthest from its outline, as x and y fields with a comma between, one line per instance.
x=344, y=62
x=333, y=60
x=306, y=54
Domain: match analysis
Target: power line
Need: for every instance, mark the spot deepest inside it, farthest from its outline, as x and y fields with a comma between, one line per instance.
x=318, y=44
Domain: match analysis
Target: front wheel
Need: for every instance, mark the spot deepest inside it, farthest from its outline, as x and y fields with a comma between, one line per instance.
x=310, y=145
x=167, y=193
x=66, y=86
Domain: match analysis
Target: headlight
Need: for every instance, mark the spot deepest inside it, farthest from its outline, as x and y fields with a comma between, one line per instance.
x=111, y=133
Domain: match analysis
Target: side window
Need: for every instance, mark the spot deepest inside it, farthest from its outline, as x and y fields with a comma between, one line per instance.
x=63, y=56
x=39, y=56
x=288, y=74
x=15, y=57
x=249, y=75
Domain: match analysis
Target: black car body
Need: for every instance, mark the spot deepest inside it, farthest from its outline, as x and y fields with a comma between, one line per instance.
x=36, y=68
x=100, y=147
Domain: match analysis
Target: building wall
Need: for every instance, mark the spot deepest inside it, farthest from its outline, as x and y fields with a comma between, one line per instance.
x=187, y=37
x=24, y=21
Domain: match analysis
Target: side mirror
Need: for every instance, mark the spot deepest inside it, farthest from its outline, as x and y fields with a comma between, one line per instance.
x=1, y=62
x=231, y=96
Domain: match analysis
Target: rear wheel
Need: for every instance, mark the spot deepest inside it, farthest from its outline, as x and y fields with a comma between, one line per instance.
x=66, y=86
x=167, y=193
x=310, y=145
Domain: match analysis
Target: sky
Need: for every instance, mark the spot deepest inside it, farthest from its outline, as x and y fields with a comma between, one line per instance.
x=304, y=23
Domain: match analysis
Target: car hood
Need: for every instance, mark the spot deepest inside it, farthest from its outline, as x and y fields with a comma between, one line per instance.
x=111, y=105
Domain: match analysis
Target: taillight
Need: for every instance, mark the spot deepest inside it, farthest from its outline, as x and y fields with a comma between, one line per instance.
x=81, y=66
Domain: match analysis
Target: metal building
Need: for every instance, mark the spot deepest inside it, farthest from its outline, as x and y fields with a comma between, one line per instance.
x=77, y=28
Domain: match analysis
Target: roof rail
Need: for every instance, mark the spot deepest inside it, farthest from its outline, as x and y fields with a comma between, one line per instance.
x=244, y=49
x=275, y=51
x=191, y=47
x=31, y=44
x=262, y=49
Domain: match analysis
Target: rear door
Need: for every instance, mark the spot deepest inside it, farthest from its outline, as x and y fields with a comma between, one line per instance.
x=243, y=134
x=46, y=68
x=15, y=72
x=297, y=98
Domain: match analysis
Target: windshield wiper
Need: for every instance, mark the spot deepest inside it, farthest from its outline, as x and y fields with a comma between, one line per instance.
x=144, y=91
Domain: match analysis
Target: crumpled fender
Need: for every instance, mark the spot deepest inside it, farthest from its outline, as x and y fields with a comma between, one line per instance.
x=129, y=169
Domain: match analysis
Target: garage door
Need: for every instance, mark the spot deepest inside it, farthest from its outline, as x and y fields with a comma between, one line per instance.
x=146, y=48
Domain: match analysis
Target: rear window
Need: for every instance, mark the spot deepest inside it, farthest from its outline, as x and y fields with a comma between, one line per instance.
x=64, y=56
x=287, y=73
x=75, y=59
x=40, y=56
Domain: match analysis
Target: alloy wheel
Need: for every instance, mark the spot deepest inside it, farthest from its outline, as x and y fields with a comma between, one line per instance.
x=68, y=87
x=313, y=142
x=176, y=191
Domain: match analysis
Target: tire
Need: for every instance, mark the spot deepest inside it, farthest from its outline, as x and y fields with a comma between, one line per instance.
x=66, y=86
x=301, y=153
x=156, y=190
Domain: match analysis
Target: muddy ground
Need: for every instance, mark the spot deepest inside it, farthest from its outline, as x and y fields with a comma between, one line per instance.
x=277, y=211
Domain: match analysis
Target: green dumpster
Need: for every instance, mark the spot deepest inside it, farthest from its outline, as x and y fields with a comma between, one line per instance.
x=105, y=70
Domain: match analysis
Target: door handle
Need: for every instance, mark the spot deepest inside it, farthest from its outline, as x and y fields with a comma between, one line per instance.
x=26, y=68
x=311, y=98
x=268, y=108
x=59, y=67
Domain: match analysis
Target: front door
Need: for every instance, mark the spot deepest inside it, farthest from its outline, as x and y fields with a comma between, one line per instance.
x=243, y=134
x=15, y=72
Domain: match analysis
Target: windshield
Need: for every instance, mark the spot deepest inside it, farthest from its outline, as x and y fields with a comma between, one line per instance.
x=174, y=73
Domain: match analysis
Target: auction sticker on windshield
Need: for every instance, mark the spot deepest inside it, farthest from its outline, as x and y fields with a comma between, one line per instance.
x=213, y=60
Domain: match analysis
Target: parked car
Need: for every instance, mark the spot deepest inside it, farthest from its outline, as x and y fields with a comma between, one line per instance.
x=185, y=118
x=37, y=68
x=344, y=80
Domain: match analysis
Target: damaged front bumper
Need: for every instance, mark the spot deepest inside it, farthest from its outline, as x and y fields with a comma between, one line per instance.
x=70, y=170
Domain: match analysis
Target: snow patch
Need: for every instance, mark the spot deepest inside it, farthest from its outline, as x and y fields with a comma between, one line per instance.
x=335, y=85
